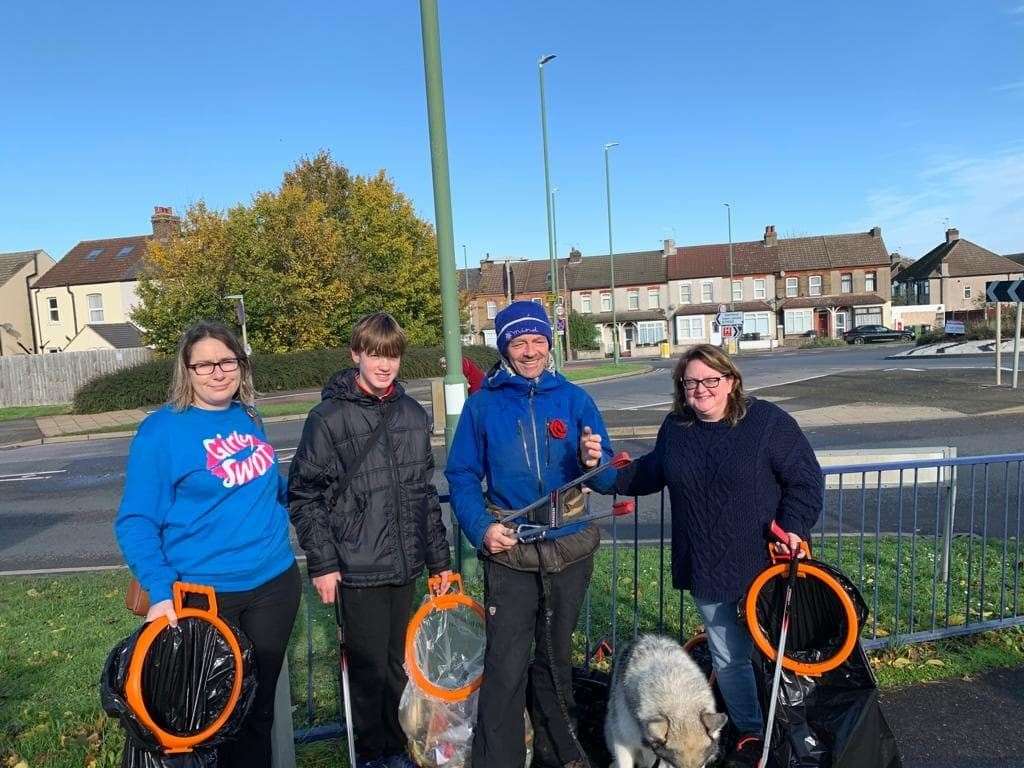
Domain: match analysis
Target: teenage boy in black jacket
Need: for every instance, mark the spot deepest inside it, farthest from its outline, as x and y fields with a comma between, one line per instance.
x=363, y=502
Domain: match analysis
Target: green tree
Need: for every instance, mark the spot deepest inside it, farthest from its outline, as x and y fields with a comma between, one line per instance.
x=583, y=333
x=320, y=178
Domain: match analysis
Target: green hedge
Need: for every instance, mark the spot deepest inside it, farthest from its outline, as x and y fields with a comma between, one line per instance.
x=146, y=384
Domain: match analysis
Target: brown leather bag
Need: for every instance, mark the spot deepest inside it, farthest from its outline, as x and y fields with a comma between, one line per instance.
x=136, y=599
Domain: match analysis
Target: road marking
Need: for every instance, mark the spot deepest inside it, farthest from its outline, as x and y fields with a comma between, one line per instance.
x=42, y=475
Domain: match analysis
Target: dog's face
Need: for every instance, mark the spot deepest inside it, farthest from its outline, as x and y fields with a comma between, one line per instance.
x=685, y=744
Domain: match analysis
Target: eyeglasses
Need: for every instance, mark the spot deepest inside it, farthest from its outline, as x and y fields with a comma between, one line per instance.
x=227, y=365
x=709, y=383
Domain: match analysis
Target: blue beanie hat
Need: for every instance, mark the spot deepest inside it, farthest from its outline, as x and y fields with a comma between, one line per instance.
x=518, y=318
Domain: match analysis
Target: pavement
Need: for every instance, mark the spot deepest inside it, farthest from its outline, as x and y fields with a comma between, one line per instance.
x=962, y=347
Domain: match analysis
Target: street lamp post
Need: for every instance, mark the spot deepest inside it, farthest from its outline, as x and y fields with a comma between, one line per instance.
x=555, y=285
x=240, y=314
x=611, y=250
x=557, y=351
x=732, y=295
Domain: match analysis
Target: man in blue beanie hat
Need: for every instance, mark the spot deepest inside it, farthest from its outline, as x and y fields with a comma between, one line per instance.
x=527, y=432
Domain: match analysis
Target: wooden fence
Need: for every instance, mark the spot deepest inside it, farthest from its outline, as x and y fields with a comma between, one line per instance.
x=54, y=378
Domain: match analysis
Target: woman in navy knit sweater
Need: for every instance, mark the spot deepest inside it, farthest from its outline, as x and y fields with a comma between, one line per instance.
x=732, y=465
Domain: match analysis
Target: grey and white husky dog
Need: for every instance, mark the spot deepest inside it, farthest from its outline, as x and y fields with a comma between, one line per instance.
x=661, y=706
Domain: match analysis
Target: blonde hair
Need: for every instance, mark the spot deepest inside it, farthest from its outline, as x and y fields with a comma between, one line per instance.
x=712, y=357
x=378, y=334
x=181, y=393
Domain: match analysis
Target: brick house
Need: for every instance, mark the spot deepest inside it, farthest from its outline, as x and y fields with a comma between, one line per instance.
x=641, y=298
x=501, y=281
x=954, y=274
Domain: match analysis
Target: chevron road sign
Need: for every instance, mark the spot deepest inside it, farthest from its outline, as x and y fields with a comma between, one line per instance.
x=1005, y=290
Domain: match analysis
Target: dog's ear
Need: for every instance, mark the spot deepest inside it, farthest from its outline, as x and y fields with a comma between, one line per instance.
x=713, y=722
x=656, y=731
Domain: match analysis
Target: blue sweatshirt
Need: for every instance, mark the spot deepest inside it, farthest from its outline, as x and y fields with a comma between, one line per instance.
x=203, y=503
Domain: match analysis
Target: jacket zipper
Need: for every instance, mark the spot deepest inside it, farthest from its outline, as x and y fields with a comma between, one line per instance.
x=397, y=493
x=536, y=442
x=522, y=436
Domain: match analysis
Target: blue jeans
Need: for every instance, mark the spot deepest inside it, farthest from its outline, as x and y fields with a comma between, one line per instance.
x=731, y=647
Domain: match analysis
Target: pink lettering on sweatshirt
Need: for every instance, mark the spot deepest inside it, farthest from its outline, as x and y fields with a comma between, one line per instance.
x=222, y=458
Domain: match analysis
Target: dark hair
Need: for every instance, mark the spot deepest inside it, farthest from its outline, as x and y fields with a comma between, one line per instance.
x=378, y=334
x=712, y=357
x=180, y=395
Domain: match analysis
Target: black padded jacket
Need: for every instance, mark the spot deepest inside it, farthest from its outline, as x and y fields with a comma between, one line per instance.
x=386, y=525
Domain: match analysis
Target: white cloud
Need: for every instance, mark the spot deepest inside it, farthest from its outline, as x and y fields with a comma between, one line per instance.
x=981, y=196
x=1017, y=86
x=1018, y=11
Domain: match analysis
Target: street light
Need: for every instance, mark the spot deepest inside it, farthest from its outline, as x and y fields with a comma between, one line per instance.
x=555, y=283
x=240, y=314
x=547, y=199
x=611, y=251
x=732, y=295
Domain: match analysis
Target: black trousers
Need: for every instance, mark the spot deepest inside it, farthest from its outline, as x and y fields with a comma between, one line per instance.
x=375, y=622
x=266, y=615
x=512, y=682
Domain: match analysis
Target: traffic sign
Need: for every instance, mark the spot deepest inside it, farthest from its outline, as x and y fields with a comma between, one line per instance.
x=728, y=331
x=954, y=327
x=730, y=318
x=1005, y=290
x=560, y=310
x=561, y=325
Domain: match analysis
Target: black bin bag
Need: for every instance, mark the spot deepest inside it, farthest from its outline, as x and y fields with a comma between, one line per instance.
x=184, y=685
x=832, y=719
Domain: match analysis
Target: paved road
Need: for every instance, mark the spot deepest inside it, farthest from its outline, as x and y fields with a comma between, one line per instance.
x=57, y=501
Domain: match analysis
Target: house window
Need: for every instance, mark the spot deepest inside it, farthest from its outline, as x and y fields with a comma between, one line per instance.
x=632, y=300
x=840, y=322
x=653, y=298
x=870, y=282
x=650, y=332
x=51, y=304
x=737, y=290
x=606, y=302
x=492, y=310
x=685, y=293
x=814, y=285
x=867, y=316
x=707, y=293
x=95, y=301
x=846, y=283
x=586, y=305
x=798, y=320
x=756, y=322
x=791, y=286
x=967, y=291
x=759, y=289
x=690, y=328
x=923, y=292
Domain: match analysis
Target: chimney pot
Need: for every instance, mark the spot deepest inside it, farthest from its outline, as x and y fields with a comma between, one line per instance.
x=875, y=232
x=165, y=224
x=952, y=235
x=575, y=256
x=669, y=248
x=770, y=238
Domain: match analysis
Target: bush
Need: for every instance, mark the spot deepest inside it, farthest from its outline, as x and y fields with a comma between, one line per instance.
x=822, y=341
x=146, y=384
x=982, y=331
x=583, y=334
x=929, y=337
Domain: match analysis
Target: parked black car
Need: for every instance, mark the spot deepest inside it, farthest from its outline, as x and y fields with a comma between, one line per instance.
x=865, y=333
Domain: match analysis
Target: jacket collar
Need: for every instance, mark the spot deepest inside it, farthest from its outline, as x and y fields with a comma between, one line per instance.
x=343, y=386
x=502, y=376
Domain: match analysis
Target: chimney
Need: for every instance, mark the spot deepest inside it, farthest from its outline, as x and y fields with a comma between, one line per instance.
x=165, y=224
x=669, y=248
x=952, y=235
x=575, y=256
x=770, y=239
x=875, y=231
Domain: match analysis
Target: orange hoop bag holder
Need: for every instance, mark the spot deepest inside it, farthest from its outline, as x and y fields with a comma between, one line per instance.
x=184, y=689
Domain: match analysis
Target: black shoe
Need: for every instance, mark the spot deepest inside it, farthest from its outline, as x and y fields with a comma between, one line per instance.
x=746, y=753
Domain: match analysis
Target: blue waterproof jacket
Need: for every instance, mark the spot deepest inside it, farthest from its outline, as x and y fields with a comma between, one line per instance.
x=505, y=437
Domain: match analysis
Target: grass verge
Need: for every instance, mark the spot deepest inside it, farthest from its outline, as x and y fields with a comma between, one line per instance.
x=32, y=411
x=55, y=633
x=601, y=370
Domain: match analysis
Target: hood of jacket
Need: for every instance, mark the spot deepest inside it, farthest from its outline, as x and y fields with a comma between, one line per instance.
x=342, y=386
x=502, y=377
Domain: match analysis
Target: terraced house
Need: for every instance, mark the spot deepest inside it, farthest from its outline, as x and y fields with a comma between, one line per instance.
x=95, y=284
x=18, y=273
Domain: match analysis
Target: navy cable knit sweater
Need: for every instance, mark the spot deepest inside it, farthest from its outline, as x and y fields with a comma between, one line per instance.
x=726, y=484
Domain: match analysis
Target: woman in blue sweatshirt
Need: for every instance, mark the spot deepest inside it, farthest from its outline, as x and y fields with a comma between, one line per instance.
x=204, y=503
x=732, y=465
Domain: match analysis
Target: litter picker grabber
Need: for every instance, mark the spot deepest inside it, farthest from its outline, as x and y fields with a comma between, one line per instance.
x=343, y=666
x=781, y=650
x=545, y=514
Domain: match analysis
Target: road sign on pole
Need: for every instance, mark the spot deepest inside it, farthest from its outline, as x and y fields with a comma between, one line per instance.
x=1005, y=290
x=728, y=331
x=730, y=318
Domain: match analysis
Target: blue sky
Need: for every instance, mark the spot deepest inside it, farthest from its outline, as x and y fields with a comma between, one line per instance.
x=813, y=116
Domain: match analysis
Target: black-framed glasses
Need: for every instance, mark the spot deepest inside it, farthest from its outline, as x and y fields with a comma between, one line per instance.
x=711, y=382
x=227, y=365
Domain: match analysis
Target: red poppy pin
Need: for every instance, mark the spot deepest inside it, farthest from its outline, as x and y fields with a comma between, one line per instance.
x=557, y=429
